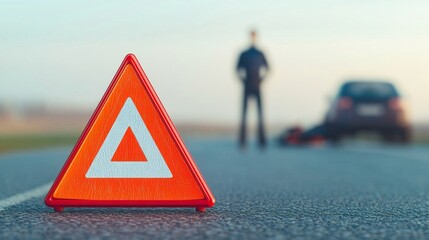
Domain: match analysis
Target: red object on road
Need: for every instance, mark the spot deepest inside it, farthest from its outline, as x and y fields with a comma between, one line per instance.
x=297, y=136
x=130, y=154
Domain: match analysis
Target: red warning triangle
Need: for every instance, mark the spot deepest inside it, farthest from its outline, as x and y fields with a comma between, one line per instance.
x=130, y=154
x=129, y=149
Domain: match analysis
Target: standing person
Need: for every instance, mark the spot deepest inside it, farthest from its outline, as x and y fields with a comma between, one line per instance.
x=252, y=68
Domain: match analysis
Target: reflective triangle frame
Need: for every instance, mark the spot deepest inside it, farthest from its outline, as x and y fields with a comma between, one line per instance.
x=200, y=204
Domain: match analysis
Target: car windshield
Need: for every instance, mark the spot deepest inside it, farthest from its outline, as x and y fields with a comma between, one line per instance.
x=368, y=90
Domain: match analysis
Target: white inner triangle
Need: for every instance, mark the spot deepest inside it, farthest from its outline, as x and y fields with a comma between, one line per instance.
x=104, y=167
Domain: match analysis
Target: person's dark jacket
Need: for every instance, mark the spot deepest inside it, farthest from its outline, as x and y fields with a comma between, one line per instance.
x=252, y=62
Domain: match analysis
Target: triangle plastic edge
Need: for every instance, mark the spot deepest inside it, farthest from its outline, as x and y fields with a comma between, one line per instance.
x=207, y=201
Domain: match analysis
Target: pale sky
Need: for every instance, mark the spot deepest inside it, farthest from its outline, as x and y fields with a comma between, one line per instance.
x=67, y=54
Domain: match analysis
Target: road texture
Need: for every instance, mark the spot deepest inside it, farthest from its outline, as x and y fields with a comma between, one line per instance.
x=355, y=191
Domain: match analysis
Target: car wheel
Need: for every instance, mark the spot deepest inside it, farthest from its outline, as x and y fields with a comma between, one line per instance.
x=400, y=136
x=333, y=135
x=389, y=137
x=335, y=139
x=405, y=136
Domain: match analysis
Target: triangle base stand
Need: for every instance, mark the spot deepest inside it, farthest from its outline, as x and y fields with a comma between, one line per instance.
x=61, y=209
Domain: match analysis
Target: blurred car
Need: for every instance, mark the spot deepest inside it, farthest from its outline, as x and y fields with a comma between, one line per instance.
x=374, y=106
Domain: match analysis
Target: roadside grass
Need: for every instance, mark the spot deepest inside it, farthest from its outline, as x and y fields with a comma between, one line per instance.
x=25, y=141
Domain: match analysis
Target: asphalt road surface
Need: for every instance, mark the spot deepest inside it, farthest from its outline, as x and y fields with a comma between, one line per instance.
x=356, y=191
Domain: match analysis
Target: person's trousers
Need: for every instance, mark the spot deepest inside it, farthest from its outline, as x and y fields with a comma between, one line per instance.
x=243, y=128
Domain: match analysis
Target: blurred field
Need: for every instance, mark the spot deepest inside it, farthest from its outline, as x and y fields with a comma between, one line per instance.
x=34, y=141
x=34, y=128
x=30, y=126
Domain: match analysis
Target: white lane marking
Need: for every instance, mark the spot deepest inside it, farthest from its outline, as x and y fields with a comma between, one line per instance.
x=104, y=167
x=24, y=196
